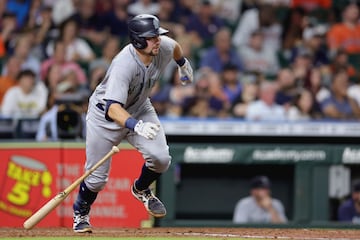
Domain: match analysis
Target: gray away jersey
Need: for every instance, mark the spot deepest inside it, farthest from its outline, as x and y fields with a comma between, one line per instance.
x=248, y=211
x=128, y=81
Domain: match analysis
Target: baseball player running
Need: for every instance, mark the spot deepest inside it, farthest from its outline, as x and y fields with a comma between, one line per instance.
x=120, y=109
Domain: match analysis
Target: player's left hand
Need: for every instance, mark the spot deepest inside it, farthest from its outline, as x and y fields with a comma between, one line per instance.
x=148, y=130
x=186, y=73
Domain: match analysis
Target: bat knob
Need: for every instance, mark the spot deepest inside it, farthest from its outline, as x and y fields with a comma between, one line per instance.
x=115, y=149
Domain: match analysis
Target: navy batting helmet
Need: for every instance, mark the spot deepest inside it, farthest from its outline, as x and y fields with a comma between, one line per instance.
x=144, y=26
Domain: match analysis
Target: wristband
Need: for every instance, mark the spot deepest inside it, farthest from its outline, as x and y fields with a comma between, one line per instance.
x=180, y=61
x=130, y=123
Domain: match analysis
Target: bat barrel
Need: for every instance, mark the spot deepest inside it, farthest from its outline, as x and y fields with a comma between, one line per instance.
x=42, y=212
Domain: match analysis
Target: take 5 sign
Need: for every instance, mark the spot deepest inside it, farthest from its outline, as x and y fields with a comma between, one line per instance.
x=31, y=175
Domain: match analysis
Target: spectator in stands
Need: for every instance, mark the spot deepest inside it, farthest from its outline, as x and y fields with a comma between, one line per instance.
x=20, y=9
x=204, y=103
x=222, y=53
x=104, y=6
x=317, y=84
x=7, y=29
x=340, y=61
x=65, y=91
x=310, y=5
x=76, y=48
x=116, y=19
x=8, y=80
x=160, y=98
x=167, y=11
x=339, y=106
x=43, y=30
x=90, y=24
x=173, y=94
x=216, y=90
x=110, y=48
x=260, y=206
x=313, y=42
x=96, y=74
x=265, y=109
x=169, y=18
x=345, y=35
x=62, y=10
x=257, y=57
x=59, y=58
x=143, y=7
x=287, y=87
x=58, y=78
x=228, y=10
x=354, y=91
x=204, y=23
x=262, y=18
x=249, y=93
x=293, y=26
x=349, y=210
x=24, y=100
x=51, y=81
x=302, y=66
x=33, y=16
x=230, y=82
x=22, y=51
x=184, y=10
x=303, y=107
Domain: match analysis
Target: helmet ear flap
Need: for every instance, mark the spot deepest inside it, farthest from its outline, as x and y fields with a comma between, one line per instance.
x=138, y=42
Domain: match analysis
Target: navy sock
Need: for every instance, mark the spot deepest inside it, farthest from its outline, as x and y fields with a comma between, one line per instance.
x=147, y=176
x=85, y=198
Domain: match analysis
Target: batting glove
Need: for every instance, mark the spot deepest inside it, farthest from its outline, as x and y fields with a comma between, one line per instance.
x=186, y=73
x=148, y=130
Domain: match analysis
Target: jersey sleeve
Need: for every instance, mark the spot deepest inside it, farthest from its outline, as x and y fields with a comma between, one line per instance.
x=167, y=46
x=279, y=207
x=240, y=212
x=118, y=79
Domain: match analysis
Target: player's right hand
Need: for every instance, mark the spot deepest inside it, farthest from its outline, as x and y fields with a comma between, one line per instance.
x=186, y=73
x=148, y=130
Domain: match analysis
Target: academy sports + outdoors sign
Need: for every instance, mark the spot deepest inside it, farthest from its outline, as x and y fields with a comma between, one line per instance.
x=265, y=153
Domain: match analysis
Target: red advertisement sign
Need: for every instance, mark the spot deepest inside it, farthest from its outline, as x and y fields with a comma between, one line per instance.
x=27, y=180
x=30, y=177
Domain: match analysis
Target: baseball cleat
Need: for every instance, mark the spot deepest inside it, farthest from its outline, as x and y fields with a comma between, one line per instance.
x=152, y=204
x=82, y=224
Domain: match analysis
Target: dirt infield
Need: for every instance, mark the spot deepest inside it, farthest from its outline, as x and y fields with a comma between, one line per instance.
x=223, y=233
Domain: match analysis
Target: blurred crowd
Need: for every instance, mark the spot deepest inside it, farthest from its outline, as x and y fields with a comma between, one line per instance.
x=253, y=59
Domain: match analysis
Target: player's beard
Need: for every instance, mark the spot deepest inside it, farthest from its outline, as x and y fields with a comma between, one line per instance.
x=153, y=52
x=150, y=53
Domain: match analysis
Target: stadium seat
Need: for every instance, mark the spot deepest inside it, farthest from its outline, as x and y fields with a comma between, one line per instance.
x=26, y=128
x=7, y=128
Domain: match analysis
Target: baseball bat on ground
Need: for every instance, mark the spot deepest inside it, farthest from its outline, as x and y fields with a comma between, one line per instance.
x=55, y=201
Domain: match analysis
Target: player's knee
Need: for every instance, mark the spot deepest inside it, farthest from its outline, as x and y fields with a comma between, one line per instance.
x=96, y=185
x=160, y=163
